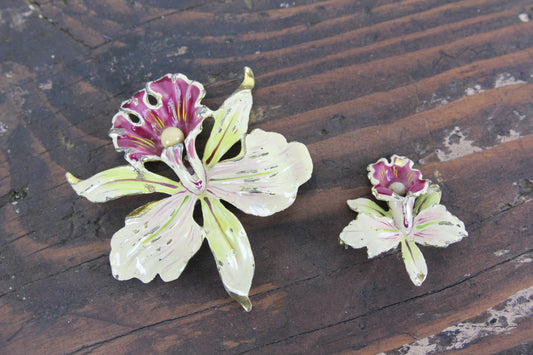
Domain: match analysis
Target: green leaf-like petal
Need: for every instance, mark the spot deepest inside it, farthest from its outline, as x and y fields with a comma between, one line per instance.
x=231, y=121
x=377, y=234
x=364, y=205
x=437, y=227
x=231, y=249
x=415, y=264
x=430, y=198
x=158, y=238
x=121, y=181
x=266, y=179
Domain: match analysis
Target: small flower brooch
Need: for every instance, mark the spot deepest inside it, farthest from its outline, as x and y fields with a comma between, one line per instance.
x=414, y=216
x=161, y=123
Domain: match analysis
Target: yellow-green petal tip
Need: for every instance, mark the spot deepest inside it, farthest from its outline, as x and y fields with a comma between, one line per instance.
x=71, y=178
x=248, y=82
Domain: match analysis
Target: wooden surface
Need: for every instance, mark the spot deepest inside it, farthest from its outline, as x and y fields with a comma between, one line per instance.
x=447, y=83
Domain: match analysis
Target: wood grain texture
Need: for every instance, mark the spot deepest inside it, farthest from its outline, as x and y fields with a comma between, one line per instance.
x=447, y=83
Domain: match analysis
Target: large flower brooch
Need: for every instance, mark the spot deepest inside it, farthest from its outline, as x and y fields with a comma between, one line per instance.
x=161, y=123
x=414, y=216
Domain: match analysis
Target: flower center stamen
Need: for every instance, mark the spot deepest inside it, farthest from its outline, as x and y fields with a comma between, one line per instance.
x=172, y=136
x=398, y=188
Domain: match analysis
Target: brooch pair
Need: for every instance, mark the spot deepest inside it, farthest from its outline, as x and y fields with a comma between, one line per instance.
x=259, y=173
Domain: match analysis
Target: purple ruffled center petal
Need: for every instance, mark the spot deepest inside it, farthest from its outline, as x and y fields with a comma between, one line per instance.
x=172, y=101
x=387, y=174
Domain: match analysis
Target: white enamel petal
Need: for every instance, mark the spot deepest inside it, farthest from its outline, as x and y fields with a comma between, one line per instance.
x=437, y=227
x=229, y=244
x=159, y=239
x=414, y=261
x=266, y=179
x=377, y=234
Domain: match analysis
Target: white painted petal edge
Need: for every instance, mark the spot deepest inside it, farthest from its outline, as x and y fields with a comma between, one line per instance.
x=437, y=227
x=230, y=247
x=266, y=179
x=159, y=239
x=414, y=261
x=377, y=234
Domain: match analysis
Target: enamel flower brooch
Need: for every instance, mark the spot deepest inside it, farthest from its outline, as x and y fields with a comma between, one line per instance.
x=414, y=216
x=161, y=123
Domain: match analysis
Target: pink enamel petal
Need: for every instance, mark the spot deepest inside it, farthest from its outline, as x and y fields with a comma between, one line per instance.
x=159, y=238
x=180, y=99
x=414, y=261
x=400, y=169
x=377, y=234
x=437, y=227
x=403, y=171
x=266, y=179
x=172, y=101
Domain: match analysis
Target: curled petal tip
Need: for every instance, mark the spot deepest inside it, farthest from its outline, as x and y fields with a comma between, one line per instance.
x=247, y=305
x=420, y=278
x=71, y=178
x=248, y=82
x=243, y=300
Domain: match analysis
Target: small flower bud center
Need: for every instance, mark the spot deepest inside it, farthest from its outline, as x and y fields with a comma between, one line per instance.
x=398, y=188
x=172, y=136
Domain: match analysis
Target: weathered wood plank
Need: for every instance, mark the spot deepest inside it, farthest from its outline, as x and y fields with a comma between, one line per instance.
x=447, y=83
x=324, y=277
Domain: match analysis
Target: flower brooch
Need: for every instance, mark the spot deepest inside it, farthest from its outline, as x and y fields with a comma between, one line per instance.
x=414, y=216
x=161, y=123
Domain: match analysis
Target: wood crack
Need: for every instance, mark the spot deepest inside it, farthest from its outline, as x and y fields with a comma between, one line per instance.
x=12, y=336
x=481, y=272
x=133, y=331
x=328, y=274
x=3, y=247
x=52, y=275
x=170, y=320
x=37, y=6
